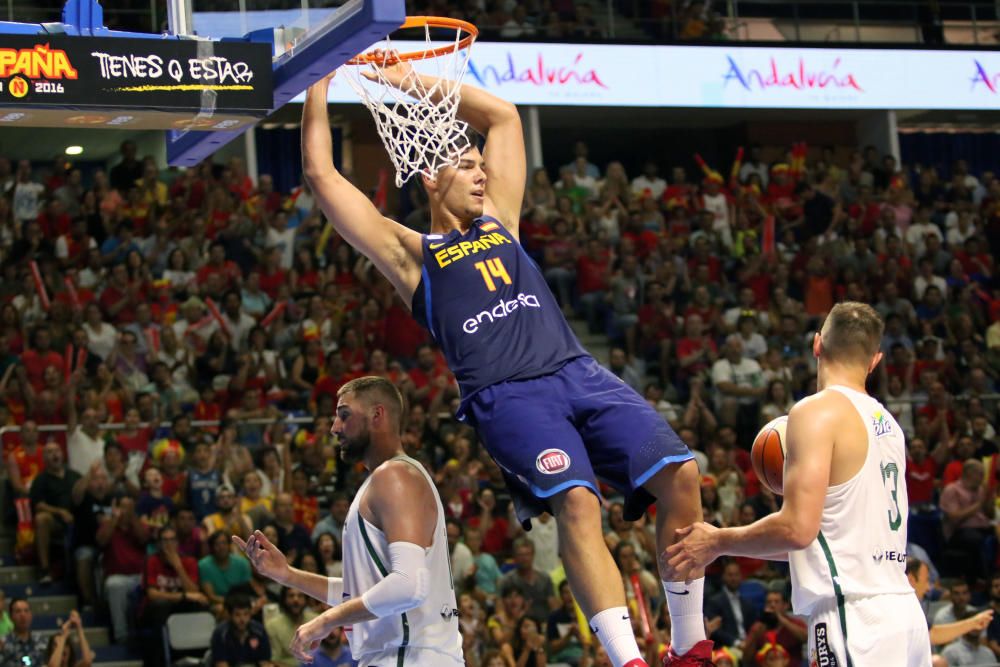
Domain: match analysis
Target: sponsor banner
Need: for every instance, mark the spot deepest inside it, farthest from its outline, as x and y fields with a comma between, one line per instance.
x=726, y=76
x=133, y=83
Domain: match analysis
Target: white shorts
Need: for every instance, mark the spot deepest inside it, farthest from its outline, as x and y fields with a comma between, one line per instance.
x=412, y=657
x=881, y=631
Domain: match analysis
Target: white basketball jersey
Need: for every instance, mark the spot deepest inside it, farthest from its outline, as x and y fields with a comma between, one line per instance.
x=861, y=547
x=426, y=635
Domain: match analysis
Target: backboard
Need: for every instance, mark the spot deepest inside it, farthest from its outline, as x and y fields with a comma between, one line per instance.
x=310, y=39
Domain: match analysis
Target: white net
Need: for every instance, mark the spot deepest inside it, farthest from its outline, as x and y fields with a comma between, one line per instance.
x=416, y=118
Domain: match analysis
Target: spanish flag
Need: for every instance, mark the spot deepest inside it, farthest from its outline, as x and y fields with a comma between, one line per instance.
x=489, y=226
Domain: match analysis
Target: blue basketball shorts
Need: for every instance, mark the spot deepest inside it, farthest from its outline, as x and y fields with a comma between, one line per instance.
x=571, y=428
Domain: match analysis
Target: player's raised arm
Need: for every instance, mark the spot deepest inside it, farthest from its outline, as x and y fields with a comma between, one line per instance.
x=498, y=121
x=394, y=249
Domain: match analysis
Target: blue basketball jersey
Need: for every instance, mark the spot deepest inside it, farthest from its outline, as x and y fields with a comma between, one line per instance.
x=489, y=308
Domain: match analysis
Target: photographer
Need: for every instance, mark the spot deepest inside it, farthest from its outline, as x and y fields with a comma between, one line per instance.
x=790, y=631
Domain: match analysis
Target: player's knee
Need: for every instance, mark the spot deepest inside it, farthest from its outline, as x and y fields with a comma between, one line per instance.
x=575, y=506
x=687, y=479
x=938, y=661
x=675, y=483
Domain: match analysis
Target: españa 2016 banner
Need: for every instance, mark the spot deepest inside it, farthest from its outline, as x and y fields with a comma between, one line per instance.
x=133, y=83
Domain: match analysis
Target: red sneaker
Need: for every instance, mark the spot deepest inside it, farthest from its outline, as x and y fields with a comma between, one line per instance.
x=700, y=655
x=636, y=662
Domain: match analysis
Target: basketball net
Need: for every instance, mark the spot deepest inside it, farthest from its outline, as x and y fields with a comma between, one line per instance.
x=418, y=124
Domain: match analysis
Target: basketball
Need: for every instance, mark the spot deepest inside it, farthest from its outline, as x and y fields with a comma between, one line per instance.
x=768, y=454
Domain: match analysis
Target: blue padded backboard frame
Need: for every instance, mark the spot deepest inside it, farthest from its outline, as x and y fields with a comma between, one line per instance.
x=355, y=26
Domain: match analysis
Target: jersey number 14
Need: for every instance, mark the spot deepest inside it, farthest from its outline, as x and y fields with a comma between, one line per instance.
x=490, y=269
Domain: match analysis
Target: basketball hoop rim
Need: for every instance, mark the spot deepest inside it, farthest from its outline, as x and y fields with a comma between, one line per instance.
x=377, y=58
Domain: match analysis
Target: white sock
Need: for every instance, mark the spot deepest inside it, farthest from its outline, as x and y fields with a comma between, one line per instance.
x=687, y=622
x=614, y=628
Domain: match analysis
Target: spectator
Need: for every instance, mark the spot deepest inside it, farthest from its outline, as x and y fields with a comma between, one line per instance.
x=739, y=385
x=333, y=522
x=292, y=612
x=778, y=401
x=334, y=652
x=38, y=357
x=52, y=504
x=293, y=538
x=967, y=650
x=960, y=596
x=696, y=351
x=536, y=586
x=203, y=480
x=228, y=518
x=189, y=536
x=507, y=615
x=789, y=631
x=968, y=505
x=487, y=573
x=649, y=183
x=625, y=294
x=129, y=170
x=171, y=584
x=85, y=442
x=222, y=571
x=462, y=564
x=25, y=461
x=736, y=613
x=240, y=640
x=69, y=648
x=92, y=504
x=22, y=646
x=528, y=644
x=122, y=537
x=634, y=533
x=618, y=363
x=563, y=630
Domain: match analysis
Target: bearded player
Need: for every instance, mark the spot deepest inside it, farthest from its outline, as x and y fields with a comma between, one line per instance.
x=842, y=525
x=552, y=418
x=391, y=599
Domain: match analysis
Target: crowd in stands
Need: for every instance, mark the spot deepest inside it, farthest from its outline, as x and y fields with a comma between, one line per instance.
x=191, y=329
x=579, y=21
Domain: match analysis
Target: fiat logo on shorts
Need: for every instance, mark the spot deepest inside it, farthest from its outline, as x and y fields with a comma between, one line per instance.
x=552, y=462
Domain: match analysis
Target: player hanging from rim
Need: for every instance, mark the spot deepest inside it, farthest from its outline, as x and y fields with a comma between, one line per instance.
x=552, y=418
x=842, y=526
x=390, y=600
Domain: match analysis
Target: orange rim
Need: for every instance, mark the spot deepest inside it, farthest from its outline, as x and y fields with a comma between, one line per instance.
x=380, y=58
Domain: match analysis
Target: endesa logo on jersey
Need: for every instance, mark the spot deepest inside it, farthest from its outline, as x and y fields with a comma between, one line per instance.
x=552, y=462
x=502, y=309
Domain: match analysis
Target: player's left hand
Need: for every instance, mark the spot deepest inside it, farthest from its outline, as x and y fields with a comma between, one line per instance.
x=307, y=639
x=694, y=549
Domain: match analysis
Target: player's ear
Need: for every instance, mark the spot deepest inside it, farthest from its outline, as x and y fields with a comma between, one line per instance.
x=430, y=184
x=378, y=414
x=817, y=344
x=876, y=360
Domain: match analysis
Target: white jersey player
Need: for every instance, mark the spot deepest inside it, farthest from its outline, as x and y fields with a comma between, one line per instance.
x=842, y=526
x=391, y=600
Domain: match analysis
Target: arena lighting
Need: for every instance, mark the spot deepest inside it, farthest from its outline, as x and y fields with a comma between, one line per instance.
x=74, y=150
